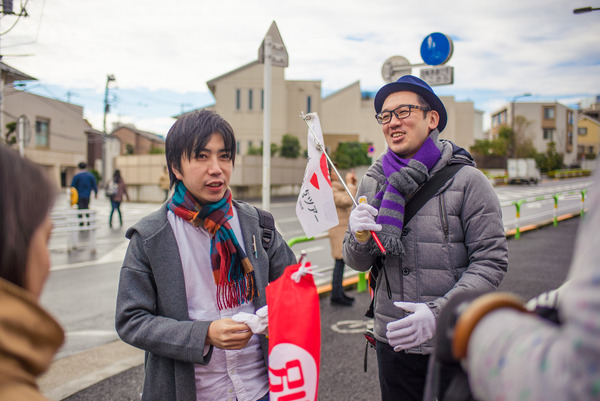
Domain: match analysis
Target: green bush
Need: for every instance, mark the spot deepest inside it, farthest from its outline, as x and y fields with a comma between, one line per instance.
x=290, y=147
x=352, y=154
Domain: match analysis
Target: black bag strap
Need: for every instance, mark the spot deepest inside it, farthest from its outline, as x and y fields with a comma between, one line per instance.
x=267, y=223
x=428, y=190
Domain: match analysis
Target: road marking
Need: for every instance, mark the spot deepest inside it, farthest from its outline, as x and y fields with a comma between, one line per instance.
x=115, y=255
x=352, y=326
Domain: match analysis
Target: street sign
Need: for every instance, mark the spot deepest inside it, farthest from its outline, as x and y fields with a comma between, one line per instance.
x=436, y=49
x=279, y=54
x=394, y=68
x=438, y=75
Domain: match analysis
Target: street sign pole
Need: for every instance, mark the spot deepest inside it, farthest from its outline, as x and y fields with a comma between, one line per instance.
x=272, y=52
x=266, y=187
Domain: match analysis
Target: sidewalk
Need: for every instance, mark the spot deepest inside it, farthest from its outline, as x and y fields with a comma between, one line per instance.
x=538, y=261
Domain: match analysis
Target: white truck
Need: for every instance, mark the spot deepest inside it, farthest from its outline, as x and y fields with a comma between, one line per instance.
x=523, y=171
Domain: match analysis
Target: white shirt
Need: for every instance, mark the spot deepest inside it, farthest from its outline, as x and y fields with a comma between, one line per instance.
x=230, y=374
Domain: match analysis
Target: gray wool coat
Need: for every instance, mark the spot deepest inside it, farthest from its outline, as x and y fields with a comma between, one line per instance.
x=152, y=310
x=455, y=243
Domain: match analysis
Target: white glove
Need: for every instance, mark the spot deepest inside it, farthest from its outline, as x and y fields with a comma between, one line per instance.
x=414, y=329
x=544, y=300
x=362, y=219
x=258, y=322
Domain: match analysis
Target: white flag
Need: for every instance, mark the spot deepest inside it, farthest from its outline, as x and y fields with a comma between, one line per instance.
x=315, y=207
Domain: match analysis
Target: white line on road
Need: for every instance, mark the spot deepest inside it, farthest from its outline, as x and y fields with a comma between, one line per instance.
x=115, y=255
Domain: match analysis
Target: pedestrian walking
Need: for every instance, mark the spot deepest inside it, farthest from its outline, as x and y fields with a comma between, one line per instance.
x=29, y=336
x=454, y=243
x=343, y=204
x=84, y=182
x=192, y=268
x=164, y=183
x=115, y=190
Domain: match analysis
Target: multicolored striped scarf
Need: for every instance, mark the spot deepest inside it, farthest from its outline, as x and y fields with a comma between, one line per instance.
x=403, y=178
x=232, y=270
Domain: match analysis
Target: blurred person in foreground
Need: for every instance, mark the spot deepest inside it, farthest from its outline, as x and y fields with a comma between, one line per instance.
x=455, y=243
x=164, y=182
x=513, y=351
x=29, y=336
x=343, y=205
x=193, y=269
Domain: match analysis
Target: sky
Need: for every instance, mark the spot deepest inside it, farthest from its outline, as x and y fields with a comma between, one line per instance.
x=163, y=53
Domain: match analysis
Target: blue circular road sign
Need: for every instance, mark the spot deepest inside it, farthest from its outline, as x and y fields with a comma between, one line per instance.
x=436, y=49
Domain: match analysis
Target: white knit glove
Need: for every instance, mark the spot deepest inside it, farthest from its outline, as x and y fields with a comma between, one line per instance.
x=258, y=322
x=361, y=221
x=414, y=329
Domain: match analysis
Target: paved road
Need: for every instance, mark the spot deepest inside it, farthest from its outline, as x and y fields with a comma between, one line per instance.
x=538, y=262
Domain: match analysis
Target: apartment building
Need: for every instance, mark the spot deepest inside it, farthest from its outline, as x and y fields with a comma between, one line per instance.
x=345, y=115
x=588, y=137
x=546, y=122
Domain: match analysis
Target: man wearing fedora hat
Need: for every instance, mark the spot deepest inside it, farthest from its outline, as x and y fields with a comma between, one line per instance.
x=455, y=243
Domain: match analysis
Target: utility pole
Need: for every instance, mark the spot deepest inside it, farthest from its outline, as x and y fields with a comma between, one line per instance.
x=7, y=8
x=109, y=78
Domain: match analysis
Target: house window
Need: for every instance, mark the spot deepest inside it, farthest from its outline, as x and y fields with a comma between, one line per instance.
x=582, y=131
x=42, y=132
x=548, y=134
x=570, y=117
x=308, y=104
x=238, y=100
x=249, y=99
x=548, y=113
x=237, y=147
x=262, y=99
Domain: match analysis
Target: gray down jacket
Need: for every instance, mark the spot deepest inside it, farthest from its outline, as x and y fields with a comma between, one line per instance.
x=455, y=243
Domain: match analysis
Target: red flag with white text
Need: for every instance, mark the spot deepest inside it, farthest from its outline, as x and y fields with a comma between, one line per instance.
x=294, y=336
x=315, y=207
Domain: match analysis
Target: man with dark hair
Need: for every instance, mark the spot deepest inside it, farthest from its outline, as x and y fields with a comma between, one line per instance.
x=84, y=182
x=193, y=268
x=454, y=243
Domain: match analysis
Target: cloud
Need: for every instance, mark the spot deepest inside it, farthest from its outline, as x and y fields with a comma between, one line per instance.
x=500, y=48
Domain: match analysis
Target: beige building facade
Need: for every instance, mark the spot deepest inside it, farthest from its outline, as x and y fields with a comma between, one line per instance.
x=345, y=115
x=57, y=140
x=547, y=122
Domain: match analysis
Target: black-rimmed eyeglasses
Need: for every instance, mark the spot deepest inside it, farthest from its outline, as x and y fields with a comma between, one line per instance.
x=400, y=112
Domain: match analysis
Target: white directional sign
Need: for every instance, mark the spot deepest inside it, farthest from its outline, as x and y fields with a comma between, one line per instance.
x=438, y=75
x=279, y=54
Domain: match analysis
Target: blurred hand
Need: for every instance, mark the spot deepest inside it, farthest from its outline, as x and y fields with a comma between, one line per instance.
x=351, y=178
x=228, y=334
x=414, y=329
x=362, y=219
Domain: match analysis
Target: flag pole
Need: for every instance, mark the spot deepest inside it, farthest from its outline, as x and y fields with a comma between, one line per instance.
x=321, y=148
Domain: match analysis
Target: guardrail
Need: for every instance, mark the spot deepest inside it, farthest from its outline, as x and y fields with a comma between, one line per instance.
x=79, y=226
x=555, y=196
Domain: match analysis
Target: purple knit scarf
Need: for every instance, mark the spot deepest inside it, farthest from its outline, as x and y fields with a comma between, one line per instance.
x=403, y=178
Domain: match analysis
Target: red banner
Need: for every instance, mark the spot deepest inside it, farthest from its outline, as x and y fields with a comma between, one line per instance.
x=294, y=337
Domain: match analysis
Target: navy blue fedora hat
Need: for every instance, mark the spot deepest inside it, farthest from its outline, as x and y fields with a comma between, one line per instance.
x=411, y=83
